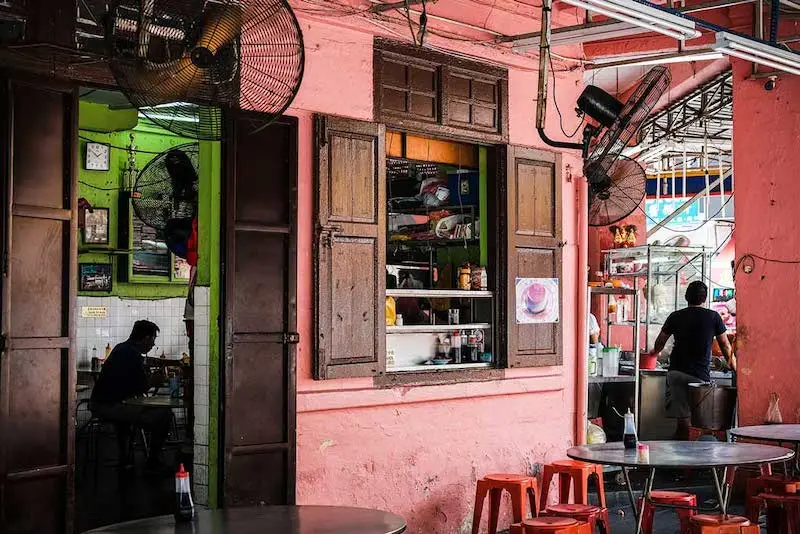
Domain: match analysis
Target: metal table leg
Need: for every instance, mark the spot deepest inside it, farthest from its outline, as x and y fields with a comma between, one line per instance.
x=722, y=488
x=648, y=487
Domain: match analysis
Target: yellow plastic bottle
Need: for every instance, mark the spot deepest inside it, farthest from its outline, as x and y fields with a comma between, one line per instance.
x=391, y=311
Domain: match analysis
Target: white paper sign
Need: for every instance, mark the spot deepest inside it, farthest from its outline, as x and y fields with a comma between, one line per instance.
x=537, y=300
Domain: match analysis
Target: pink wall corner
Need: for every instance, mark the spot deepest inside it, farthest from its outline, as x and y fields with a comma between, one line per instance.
x=431, y=442
x=766, y=126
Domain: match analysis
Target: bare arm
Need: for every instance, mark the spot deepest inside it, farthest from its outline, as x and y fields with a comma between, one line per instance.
x=661, y=341
x=725, y=347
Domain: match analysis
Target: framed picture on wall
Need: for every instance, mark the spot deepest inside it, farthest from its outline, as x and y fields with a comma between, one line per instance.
x=95, y=230
x=95, y=277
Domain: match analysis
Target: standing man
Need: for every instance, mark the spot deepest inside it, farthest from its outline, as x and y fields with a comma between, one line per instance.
x=694, y=329
x=125, y=376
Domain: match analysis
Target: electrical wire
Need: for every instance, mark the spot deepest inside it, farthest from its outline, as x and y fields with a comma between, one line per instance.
x=555, y=101
x=127, y=149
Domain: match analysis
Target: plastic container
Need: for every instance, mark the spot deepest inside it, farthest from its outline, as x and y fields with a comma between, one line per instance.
x=592, y=360
x=648, y=361
x=611, y=361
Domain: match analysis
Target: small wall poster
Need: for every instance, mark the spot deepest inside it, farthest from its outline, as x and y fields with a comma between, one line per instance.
x=537, y=300
x=94, y=277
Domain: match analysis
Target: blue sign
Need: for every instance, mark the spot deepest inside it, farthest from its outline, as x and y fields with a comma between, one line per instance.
x=658, y=210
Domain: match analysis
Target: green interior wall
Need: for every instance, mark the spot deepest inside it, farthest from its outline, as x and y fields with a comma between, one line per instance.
x=483, y=193
x=102, y=189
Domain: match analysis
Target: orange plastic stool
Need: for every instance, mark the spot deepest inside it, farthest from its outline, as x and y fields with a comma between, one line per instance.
x=555, y=525
x=673, y=498
x=578, y=474
x=519, y=486
x=719, y=524
x=758, y=485
x=594, y=515
x=783, y=512
x=695, y=433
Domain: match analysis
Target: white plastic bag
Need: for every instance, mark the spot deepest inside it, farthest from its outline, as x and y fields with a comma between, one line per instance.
x=594, y=434
x=773, y=412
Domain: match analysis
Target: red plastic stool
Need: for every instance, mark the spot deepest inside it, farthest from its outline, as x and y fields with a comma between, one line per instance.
x=758, y=485
x=578, y=474
x=672, y=498
x=519, y=486
x=696, y=433
x=594, y=515
x=783, y=513
x=555, y=525
x=719, y=524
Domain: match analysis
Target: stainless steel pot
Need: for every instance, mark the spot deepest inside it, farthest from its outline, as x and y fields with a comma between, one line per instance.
x=712, y=405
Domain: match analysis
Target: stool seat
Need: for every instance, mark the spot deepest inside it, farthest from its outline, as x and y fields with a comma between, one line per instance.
x=719, y=524
x=593, y=515
x=576, y=474
x=672, y=498
x=519, y=487
x=718, y=519
x=554, y=525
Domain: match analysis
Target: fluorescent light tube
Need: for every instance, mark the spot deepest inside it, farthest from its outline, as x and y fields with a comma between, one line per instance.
x=641, y=15
x=757, y=52
x=679, y=57
x=584, y=33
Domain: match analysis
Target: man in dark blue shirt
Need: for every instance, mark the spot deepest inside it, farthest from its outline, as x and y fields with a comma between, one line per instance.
x=694, y=329
x=125, y=376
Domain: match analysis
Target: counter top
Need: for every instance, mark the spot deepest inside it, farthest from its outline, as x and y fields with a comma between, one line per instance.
x=714, y=374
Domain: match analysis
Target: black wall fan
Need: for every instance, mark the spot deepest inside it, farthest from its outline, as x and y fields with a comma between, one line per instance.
x=616, y=184
x=165, y=195
x=182, y=61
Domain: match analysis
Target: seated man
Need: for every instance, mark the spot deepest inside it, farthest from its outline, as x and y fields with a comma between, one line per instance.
x=125, y=376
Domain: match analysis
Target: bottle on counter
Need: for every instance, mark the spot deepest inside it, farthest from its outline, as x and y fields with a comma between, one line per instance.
x=184, y=507
x=629, y=435
x=456, y=346
x=108, y=350
x=465, y=277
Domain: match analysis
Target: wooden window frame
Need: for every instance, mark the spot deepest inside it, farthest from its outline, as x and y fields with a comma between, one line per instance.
x=446, y=66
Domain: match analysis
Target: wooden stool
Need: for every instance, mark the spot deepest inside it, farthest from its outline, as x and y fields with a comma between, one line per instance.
x=519, y=486
x=695, y=433
x=672, y=498
x=783, y=513
x=555, y=525
x=719, y=524
x=758, y=485
x=594, y=515
x=578, y=474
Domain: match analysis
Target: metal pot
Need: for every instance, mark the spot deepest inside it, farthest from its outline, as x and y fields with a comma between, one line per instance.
x=712, y=405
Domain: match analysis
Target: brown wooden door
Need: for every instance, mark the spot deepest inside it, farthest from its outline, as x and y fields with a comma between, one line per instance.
x=37, y=363
x=533, y=212
x=350, y=248
x=260, y=313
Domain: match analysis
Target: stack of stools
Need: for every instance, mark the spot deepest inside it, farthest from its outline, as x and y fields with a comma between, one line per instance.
x=719, y=524
x=576, y=474
x=520, y=487
x=685, y=503
x=783, y=513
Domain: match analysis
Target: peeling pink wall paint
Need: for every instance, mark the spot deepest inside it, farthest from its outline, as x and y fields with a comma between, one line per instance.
x=766, y=126
x=418, y=451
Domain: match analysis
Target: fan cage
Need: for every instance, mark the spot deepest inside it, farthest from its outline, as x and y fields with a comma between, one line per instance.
x=633, y=114
x=618, y=194
x=152, y=194
x=181, y=64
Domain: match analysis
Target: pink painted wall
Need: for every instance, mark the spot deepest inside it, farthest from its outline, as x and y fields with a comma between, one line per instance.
x=766, y=126
x=418, y=451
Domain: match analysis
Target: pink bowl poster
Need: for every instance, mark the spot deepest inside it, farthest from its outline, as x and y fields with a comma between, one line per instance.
x=537, y=300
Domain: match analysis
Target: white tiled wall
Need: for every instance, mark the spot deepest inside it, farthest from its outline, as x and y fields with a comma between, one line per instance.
x=116, y=327
x=201, y=394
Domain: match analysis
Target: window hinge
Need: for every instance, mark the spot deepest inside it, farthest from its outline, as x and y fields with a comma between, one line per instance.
x=291, y=338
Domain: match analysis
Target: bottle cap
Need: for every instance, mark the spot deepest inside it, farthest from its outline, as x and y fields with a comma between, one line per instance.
x=182, y=473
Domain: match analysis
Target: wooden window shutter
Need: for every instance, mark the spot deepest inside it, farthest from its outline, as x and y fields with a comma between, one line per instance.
x=350, y=248
x=534, y=248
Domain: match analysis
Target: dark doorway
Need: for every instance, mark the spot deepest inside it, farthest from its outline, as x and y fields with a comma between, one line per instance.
x=260, y=312
x=37, y=362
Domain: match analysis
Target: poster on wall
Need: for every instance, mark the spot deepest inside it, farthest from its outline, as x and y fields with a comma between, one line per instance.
x=95, y=277
x=537, y=300
x=95, y=230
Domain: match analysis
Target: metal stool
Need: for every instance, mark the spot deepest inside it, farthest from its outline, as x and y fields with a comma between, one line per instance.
x=519, y=486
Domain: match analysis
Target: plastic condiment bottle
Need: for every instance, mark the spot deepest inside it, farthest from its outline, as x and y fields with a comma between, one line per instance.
x=629, y=435
x=184, y=507
x=108, y=349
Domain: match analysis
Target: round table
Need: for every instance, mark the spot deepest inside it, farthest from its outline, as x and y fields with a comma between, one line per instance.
x=155, y=402
x=711, y=455
x=271, y=520
x=779, y=434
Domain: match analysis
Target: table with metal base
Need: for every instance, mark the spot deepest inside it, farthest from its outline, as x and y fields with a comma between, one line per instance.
x=270, y=520
x=713, y=455
x=780, y=433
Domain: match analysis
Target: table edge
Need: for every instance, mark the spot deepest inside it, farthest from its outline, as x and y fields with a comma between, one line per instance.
x=785, y=458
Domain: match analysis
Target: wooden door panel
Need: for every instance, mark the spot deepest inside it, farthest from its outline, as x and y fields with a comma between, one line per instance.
x=260, y=301
x=263, y=389
x=536, y=338
x=39, y=159
x=257, y=254
x=37, y=365
x=353, y=288
x=535, y=206
x=352, y=183
x=36, y=278
x=35, y=422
